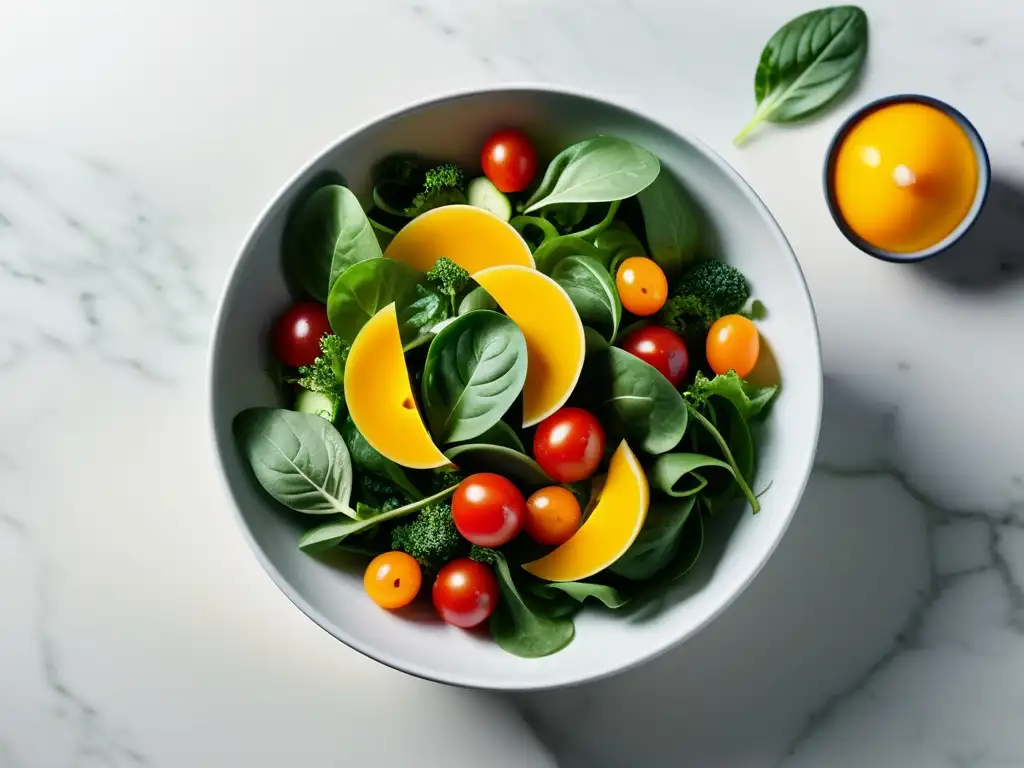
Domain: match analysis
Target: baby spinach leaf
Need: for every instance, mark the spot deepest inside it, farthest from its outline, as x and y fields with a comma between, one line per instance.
x=370, y=286
x=516, y=466
x=298, y=458
x=534, y=229
x=326, y=234
x=807, y=63
x=672, y=221
x=501, y=434
x=749, y=399
x=333, y=533
x=737, y=474
x=636, y=401
x=658, y=541
x=476, y=299
x=670, y=468
x=547, y=256
x=368, y=459
x=600, y=226
x=592, y=292
x=566, y=216
x=520, y=630
x=475, y=369
x=581, y=590
x=618, y=243
x=596, y=170
x=691, y=542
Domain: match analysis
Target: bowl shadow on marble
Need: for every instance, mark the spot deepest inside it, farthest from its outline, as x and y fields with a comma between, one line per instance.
x=990, y=256
x=827, y=608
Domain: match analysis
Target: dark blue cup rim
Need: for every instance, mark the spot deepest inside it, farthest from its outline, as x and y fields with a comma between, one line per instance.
x=984, y=178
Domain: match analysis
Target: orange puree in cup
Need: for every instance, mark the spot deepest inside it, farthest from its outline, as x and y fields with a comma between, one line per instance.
x=905, y=177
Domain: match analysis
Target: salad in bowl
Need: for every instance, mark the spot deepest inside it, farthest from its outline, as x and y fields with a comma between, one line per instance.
x=510, y=391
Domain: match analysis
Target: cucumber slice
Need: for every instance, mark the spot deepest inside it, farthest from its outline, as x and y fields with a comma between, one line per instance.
x=481, y=193
x=316, y=403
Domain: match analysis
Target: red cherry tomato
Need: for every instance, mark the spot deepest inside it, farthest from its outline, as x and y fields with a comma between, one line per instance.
x=465, y=592
x=488, y=510
x=660, y=348
x=298, y=332
x=509, y=161
x=569, y=444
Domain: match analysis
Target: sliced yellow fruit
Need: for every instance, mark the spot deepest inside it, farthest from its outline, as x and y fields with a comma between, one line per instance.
x=379, y=396
x=469, y=236
x=555, y=346
x=609, y=531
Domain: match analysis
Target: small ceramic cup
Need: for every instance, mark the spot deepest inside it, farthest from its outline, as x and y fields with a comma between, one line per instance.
x=984, y=178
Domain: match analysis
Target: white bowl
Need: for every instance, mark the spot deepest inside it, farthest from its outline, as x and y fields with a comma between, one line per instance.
x=736, y=547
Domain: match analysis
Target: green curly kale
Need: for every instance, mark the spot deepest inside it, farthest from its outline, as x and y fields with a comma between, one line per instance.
x=431, y=537
x=706, y=292
x=450, y=278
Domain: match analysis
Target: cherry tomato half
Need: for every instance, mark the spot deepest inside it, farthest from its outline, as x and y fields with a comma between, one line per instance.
x=465, y=592
x=569, y=444
x=643, y=287
x=488, y=510
x=392, y=579
x=298, y=332
x=552, y=516
x=733, y=344
x=660, y=348
x=509, y=160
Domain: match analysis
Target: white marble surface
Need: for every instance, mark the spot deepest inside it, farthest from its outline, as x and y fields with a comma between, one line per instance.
x=139, y=140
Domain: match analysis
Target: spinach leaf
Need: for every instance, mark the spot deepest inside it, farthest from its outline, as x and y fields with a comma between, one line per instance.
x=690, y=545
x=592, y=292
x=370, y=286
x=659, y=539
x=333, y=533
x=516, y=466
x=476, y=299
x=636, y=401
x=618, y=243
x=368, y=459
x=475, y=370
x=749, y=399
x=525, y=226
x=808, y=63
x=734, y=468
x=501, y=434
x=327, y=233
x=298, y=458
x=566, y=216
x=672, y=221
x=596, y=170
x=669, y=469
x=600, y=226
x=547, y=256
x=397, y=179
x=581, y=590
x=516, y=627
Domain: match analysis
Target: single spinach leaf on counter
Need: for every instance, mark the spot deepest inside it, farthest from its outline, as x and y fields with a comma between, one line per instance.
x=592, y=292
x=581, y=590
x=502, y=435
x=366, y=458
x=516, y=466
x=618, y=243
x=672, y=222
x=299, y=458
x=551, y=252
x=807, y=63
x=749, y=399
x=327, y=233
x=333, y=533
x=636, y=401
x=476, y=299
x=659, y=539
x=369, y=286
x=475, y=370
x=596, y=170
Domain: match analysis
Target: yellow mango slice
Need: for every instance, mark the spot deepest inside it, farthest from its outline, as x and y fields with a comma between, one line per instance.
x=555, y=346
x=471, y=237
x=609, y=531
x=379, y=396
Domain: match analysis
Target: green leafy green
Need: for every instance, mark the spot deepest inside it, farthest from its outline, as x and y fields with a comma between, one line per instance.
x=547, y=256
x=691, y=543
x=326, y=233
x=596, y=170
x=581, y=590
x=592, y=292
x=330, y=534
x=600, y=226
x=659, y=539
x=618, y=243
x=808, y=63
x=737, y=473
x=369, y=286
x=749, y=399
x=475, y=370
x=516, y=466
x=366, y=458
x=673, y=223
x=566, y=216
x=670, y=468
x=515, y=626
x=501, y=434
x=298, y=458
x=526, y=225
x=635, y=400
x=476, y=299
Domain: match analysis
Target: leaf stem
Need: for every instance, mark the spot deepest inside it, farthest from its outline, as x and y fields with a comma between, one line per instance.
x=755, y=505
x=602, y=225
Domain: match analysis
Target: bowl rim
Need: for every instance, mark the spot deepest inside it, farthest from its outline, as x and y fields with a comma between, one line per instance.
x=469, y=681
x=961, y=229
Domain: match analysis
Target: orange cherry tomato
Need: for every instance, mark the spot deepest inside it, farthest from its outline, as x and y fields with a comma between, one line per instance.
x=552, y=516
x=733, y=344
x=393, y=579
x=642, y=286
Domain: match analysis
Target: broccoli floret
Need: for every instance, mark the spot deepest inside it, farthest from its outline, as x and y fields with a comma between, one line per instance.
x=431, y=537
x=446, y=176
x=327, y=372
x=437, y=480
x=706, y=292
x=450, y=278
x=484, y=555
x=442, y=185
